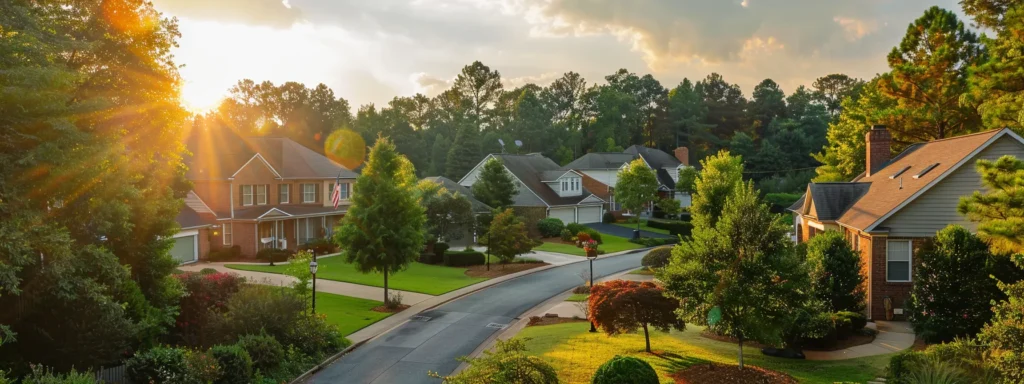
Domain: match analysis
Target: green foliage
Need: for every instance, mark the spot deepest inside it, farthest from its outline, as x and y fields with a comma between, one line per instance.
x=575, y=228
x=625, y=370
x=657, y=257
x=566, y=235
x=857, y=319
x=495, y=187
x=1005, y=333
x=953, y=290
x=449, y=214
x=781, y=201
x=653, y=242
x=464, y=153
x=507, y=237
x=637, y=185
x=265, y=351
x=40, y=375
x=206, y=297
x=235, y=364
x=835, y=272
x=959, y=361
x=508, y=363
x=608, y=218
x=224, y=254
x=550, y=227
x=158, y=365
x=383, y=229
x=718, y=178
x=669, y=207
x=687, y=180
x=997, y=84
x=274, y=255
x=298, y=267
x=319, y=247
x=1000, y=210
x=675, y=228
x=464, y=258
x=844, y=155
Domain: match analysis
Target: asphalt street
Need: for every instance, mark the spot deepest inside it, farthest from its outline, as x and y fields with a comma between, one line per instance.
x=433, y=340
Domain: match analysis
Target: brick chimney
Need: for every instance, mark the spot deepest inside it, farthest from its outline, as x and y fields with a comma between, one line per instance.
x=879, y=149
x=683, y=155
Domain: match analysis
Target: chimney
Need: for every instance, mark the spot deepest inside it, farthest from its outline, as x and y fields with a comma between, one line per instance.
x=683, y=155
x=879, y=149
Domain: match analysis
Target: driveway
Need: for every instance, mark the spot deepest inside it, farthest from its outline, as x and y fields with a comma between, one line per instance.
x=615, y=230
x=433, y=340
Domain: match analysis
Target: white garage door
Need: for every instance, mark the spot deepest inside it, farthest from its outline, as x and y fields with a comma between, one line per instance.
x=185, y=249
x=589, y=215
x=567, y=215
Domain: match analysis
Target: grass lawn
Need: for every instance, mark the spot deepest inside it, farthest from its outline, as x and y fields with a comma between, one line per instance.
x=644, y=227
x=578, y=297
x=419, y=277
x=575, y=353
x=642, y=271
x=611, y=244
x=350, y=314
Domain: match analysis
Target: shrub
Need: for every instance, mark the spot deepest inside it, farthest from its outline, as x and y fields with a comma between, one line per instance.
x=653, y=242
x=205, y=297
x=857, y=320
x=566, y=235
x=222, y=254
x=576, y=227
x=274, y=255
x=507, y=363
x=207, y=271
x=581, y=289
x=201, y=367
x=657, y=257
x=967, y=357
x=464, y=258
x=319, y=246
x=835, y=272
x=314, y=336
x=256, y=309
x=900, y=366
x=550, y=227
x=608, y=218
x=439, y=250
x=157, y=365
x=394, y=301
x=625, y=370
x=40, y=375
x=235, y=364
x=265, y=351
x=675, y=228
x=594, y=235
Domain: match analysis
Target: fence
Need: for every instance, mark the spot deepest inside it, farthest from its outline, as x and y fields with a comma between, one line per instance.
x=113, y=375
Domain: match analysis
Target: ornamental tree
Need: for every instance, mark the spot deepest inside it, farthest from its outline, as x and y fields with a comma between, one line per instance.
x=383, y=229
x=622, y=306
x=637, y=185
x=717, y=180
x=508, y=363
x=953, y=290
x=449, y=214
x=508, y=236
x=495, y=187
x=835, y=272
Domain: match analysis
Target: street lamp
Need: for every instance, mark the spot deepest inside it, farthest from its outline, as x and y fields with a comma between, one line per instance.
x=591, y=255
x=312, y=269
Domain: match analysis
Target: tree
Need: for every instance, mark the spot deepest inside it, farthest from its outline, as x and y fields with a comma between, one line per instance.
x=833, y=89
x=997, y=85
x=622, y=306
x=835, y=272
x=298, y=267
x=768, y=104
x=686, y=114
x=464, y=153
x=495, y=187
x=449, y=214
x=738, y=276
x=844, y=155
x=637, y=186
x=481, y=87
x=725, y=106
x=687, y=180
x=507, y=236
x=508, y=363
x=383, y=229
x=719, y=176
x=953, y=290
x=670, y=207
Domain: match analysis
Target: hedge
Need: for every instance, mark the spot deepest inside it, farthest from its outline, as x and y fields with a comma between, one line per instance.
x=223, y=254
x=675, y=228
x=653, y=242
x=464, y=258
x=550, y=227
x=278, y=255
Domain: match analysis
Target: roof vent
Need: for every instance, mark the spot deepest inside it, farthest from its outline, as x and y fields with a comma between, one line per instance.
x=900, y=172
x=926, y=170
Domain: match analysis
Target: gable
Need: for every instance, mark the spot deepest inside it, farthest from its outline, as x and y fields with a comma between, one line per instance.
x=255, y=171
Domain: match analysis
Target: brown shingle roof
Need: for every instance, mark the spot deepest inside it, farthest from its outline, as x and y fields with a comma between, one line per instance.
x=219, y=160
x=598, y=188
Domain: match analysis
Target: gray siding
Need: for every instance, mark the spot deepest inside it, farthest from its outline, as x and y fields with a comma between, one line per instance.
x=526, y=197
x=936, y=208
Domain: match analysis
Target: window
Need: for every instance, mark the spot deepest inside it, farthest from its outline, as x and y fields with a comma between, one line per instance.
x=227, y=233
x=261, y=194
x=308, y=193
x=246, y=195
x=897, y=260
x=564, y=186
x=343, y=190
x=284, y=192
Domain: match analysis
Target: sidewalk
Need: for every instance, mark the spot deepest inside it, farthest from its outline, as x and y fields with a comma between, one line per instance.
x=893, y=336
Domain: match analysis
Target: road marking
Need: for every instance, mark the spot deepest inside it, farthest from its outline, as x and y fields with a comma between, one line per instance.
x=420, y=318
x=497, y=326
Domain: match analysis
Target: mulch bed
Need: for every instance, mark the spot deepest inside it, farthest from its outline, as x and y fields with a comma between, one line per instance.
x=852, y=341
x=384, y=309
x=538, y=320
x=729, y=374
x=500, y=269
x=746, y=343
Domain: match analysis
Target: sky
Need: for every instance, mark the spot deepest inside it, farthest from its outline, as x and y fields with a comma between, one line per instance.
x=369, y=51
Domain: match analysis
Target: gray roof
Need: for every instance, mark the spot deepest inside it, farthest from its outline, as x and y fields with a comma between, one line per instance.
x=658, y=160
x=601, y=160
x=530, y=169
x=478, y=206
x=831, y=200
x=253, y=213
x=552, y=175
x=189, y=218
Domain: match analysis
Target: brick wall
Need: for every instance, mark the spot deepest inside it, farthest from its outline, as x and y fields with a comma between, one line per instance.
x=244, y=235
x=204, y=243
x=879, y=287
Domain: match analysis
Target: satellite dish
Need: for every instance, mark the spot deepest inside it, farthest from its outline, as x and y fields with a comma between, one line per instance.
x=519, y=143
x=502, y=142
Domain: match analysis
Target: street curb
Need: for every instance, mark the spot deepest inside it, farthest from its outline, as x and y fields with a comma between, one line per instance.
x=306, y=375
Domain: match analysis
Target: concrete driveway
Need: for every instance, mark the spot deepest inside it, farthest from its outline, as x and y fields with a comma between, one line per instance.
x=620, y=231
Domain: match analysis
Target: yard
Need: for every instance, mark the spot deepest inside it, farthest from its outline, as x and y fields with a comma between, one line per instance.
x=611, y=244
x=350, y=314
x=418, y=277
x=575, y=354
x=643, y=227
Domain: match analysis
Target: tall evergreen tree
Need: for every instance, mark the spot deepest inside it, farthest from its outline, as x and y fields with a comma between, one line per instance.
x=768, y=104
x=833, y=89
x=997, y=85
x=494, y=186
x=464, y=153
x=725, y=106
x=481, y=88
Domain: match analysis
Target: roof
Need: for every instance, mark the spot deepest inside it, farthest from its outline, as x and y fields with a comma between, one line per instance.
x=601, y=160
x=478, y=206
x=598, y=188
x=886, y=192
x=658, y=160
x=220, y=160
x=530, y=169
x=195, y=213
x=285, y=210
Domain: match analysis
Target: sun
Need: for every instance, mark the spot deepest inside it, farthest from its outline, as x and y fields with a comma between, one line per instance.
x=199, y=98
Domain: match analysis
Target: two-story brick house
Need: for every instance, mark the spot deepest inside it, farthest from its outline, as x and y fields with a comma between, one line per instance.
x=888, y=212
x=263, y=192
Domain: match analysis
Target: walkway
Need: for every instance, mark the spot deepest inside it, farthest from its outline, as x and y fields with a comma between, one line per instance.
x=893, y=336
x=620, y=231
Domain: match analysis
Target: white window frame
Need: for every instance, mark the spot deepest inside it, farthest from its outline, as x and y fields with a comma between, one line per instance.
x=311, y=191
x=247, y=195
x=344, y=191
x=261, y=194
x=284, y=193
x=909, y=261
x=227, y=238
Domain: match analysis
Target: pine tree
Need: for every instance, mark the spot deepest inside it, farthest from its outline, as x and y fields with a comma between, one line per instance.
x=464, y=153
x=383, y=229
x=997, y=85
x=495, y=187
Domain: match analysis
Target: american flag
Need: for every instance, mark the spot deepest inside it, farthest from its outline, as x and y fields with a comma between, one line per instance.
x=336, y=194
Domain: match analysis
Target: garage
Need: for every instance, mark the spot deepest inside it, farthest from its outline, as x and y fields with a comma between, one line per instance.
x=186, y=247
x=566, y=214
x=591, y=214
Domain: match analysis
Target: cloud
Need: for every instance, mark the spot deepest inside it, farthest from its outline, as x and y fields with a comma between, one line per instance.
x=272, y=13
x=428, y=84
x=856, y=29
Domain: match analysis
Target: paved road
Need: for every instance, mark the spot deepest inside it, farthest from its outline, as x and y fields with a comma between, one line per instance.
x=432, y=343
x=620, y=231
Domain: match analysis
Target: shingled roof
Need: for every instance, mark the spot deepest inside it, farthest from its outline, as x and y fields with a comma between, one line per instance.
x=658, y=160
x=530, y=169
x=601, y=160
x=220, y=160
x=452, y=186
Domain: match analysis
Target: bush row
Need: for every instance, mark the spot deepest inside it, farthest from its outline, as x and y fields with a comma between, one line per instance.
x=675, y=228
x=319, y=247
x=274, y=255
x=223, y=254
x=653, y=242
x=464, y=258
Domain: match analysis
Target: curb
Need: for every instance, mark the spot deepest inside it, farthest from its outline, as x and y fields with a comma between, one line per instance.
x=328, y=361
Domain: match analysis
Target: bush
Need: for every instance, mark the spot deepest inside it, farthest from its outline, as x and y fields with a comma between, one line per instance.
x=566, y=235
x=222, y=254
x=608, y=218
x=900, y=366
x=439, y=251
x=256, y=309
x=464, y=258
x=508, y=362
x=550, y=227
x=581, y=290
x=675, y=228
x=653, y=242
x=319, y=246
x=657, y=257
x=265, y=351
x=625, y=370
x=857, y=320
x=207, y=271
x=314, y=336
x=594, y=235
x=206, y=295
x=235, y=364
x=835, y=272
x=966, y=360
x=274, y=255
x=40, y=375
x=576, y=228
x=157, y=365
x=202, y=367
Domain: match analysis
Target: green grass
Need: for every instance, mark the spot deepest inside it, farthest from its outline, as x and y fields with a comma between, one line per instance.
x=577, y=297
x=611, y=244
x=644, y=227
x=419, y=277
x=350, y=314
x=642, y=271
x=576, y=354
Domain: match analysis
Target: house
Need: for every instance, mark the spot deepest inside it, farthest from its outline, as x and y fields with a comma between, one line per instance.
x=258, y=192
x=193, y=239
x=453, y=187
x=545, y=189
x=898, y=204
x=600, y=170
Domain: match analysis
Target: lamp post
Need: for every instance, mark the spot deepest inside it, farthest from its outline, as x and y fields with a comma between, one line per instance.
x=591, y=255
x=312, y=269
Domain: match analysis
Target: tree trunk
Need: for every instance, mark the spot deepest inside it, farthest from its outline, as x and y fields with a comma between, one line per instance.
x=647, y=338
x=741, y=351
x=385, y=286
